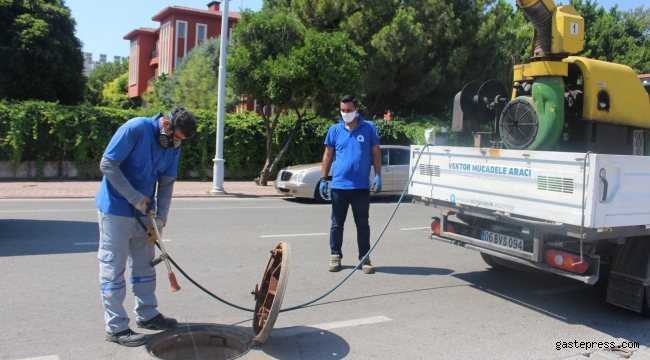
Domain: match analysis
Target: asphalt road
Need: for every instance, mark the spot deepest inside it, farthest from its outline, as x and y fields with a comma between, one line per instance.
x=427, y=300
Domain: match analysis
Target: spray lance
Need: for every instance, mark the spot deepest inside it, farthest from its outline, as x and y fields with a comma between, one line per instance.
x=155, y=237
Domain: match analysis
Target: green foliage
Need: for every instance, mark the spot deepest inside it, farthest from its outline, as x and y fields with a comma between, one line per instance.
x=101, y=77
x=40, y=55
x=39, y=131
x=418, y=53
x=115, y=94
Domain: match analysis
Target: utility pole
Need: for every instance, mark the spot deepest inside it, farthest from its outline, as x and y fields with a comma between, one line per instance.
x=217, y=177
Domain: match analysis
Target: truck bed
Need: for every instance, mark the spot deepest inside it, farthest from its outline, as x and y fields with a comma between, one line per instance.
x=543, y=185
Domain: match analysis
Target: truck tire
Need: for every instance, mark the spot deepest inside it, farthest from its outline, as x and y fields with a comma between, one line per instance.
x=490, y=261
x=319, y=198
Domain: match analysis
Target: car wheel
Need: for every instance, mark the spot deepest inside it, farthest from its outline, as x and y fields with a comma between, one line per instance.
x=319, y=198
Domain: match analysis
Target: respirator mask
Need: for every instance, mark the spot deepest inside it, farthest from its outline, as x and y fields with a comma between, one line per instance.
x=167, y=141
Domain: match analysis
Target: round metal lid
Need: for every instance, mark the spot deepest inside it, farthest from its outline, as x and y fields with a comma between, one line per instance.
x=269, y=293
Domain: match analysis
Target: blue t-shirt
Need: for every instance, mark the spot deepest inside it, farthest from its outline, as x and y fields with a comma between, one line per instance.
x=351, y=167
x=142, y=160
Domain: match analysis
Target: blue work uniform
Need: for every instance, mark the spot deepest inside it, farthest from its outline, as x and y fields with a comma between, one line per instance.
x=143, y=161
x=351, y=181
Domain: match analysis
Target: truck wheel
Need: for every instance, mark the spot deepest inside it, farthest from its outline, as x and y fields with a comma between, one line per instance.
x=490, y=261
x=320, y=199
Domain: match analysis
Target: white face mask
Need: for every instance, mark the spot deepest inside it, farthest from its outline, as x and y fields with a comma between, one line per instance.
x=348, y=117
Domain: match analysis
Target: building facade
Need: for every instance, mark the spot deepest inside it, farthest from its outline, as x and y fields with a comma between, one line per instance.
x=154, y=52
x=90, y=65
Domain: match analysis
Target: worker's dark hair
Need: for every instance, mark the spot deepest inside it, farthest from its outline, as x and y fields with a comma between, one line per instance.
x=183, y=120
x=350, y=98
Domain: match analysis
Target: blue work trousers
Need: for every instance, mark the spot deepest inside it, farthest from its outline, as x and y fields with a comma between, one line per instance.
x=359, y=200
x=122, y=238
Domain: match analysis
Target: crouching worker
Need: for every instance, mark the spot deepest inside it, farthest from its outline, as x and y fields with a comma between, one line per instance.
x=142, y=155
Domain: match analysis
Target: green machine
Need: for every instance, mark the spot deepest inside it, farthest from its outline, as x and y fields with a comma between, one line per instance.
x=559, y=102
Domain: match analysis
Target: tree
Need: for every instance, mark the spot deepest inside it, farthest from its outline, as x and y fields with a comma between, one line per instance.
x=418, y=52
x=280, y=63
x=102, y=76
x=40, y=56
x=115, y=93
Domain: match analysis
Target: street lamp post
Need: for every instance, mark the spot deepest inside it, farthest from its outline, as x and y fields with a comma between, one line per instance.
x=217, y=177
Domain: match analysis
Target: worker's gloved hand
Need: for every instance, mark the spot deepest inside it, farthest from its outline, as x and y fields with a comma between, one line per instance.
x=322, y=188
x=376, y=184
x=142, y=204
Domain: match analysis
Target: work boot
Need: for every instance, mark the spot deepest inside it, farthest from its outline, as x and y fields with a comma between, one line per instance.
x=127, y=337
x=158, y=322
x=335, y=263
x=366, y=267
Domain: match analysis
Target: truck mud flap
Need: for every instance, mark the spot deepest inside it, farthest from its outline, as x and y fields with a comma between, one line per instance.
x=630, y=274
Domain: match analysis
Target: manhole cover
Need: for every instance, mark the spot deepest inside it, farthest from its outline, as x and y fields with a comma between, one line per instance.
x=206, y=341
x=269, y=293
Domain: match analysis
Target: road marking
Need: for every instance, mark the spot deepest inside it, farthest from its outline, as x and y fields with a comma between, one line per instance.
x=292, y=331
x=49, y=357
x=292, y=235
x=97, y=243
x=417, y=228
x=560, y=289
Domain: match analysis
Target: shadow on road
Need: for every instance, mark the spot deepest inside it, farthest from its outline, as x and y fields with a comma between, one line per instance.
x=304, y=342
x=41, y=237
x=412, y=270
x=577, y=305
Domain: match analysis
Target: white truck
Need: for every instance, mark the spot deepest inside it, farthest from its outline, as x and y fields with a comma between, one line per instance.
x=564, y=185
x=530, y=207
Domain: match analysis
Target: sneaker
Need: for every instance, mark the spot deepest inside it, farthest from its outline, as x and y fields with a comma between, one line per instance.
x=335, y=263
x=158, y=322
x=366, y=267
x=127, y=337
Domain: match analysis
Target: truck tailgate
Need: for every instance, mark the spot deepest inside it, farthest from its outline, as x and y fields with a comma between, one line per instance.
x=539, y=184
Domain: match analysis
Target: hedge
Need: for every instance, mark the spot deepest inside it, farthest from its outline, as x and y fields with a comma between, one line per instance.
x=40, y=131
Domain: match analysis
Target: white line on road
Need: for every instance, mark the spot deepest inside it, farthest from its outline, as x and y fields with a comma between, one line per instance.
x=292, y=235
x=49, y=357
x=292, y=331
x=97, y=243
x=417, y=228
x=560, y=289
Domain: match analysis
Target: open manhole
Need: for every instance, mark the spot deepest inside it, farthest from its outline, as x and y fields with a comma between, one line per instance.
x=220, y=342
x=205, y=341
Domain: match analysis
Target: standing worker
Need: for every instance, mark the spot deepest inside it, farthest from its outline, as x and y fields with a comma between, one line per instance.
x=356, y=144
x=142, y=153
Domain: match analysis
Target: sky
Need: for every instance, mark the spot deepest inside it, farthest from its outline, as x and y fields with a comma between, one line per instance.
x=102, y=25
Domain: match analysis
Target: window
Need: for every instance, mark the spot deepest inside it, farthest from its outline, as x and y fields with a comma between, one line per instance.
x=384, y=156
x=181, y=41
x=201, y=33
x=400, y=157
x=230, y=37
x=133, y=63
x=164, y=49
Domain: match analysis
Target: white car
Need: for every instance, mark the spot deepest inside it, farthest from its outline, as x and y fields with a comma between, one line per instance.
x=302, y=180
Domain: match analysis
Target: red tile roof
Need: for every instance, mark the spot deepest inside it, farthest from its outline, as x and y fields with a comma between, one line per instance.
x=140, y=31
x=182, y=9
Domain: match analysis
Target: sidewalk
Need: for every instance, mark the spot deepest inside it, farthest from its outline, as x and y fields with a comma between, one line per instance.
x=88, y=189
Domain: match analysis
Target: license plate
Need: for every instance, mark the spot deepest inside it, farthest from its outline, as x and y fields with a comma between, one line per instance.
x=280, y=185
x=502, y=240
